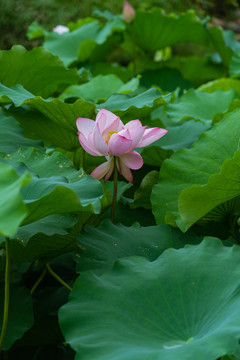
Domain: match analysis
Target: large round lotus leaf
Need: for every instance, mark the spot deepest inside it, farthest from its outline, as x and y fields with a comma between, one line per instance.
x=199, y=105
x=100, y=87
x=197, y=167
x=133, y=107
x=11, y=135
x=185, y=305
x=37, y=70
x=80, y=43
x=162, y=30
x=45, y=194
x=100, y=247
x=224, y=84
x=43, y=239
x=57, y=122
x=224, y=43
x=197, y=70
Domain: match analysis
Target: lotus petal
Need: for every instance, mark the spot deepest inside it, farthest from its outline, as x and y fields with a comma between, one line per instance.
x=132, y=160
x=150, y=136
x=124, y=170
x=119, y=145
x=85, y=126
x=103, y=169
x=99, y=142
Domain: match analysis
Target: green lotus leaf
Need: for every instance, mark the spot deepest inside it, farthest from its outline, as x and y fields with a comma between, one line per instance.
x=180, y=134
x=236, y=354
x=100, y=247
x=107, y=41
x=234, y=67
x=161, y=30
x=200, y=105
x=224, y=84
x=224, y=43
x=197, y=201
x=195, y=166
x=79, y=44
x=197, y=70
x=80, y=22
x=50, y=225
x=43, y=165
x=234, y=105
x=11, y=135
x=12, y=207
x=65, y=190
x=66, y=45
x=166, y=78
x=44, y=239
x=143, y=193
x=62, y=114
x=137, y=106
x=37, y=70
x=100, y=87
x=128, y=217
x=16, y=94
x=103, y=68
x=45, y=330
x=55, y=195
x=154, y=155
x=35, y=31
x=20, y=317
x=54, y=120
x=183, y=305
x=39, y=164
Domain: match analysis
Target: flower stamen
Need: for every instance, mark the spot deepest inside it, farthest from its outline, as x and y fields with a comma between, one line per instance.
x=107, y=138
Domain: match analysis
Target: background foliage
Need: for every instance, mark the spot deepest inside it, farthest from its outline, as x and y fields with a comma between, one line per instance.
x=16, y=16
x=163, y=279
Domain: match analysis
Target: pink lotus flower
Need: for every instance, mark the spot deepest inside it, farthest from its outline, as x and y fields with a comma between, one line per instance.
x=128, y=12
x=109, y=137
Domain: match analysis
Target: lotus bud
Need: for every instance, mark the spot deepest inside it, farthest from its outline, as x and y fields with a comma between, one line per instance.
x=128, y=12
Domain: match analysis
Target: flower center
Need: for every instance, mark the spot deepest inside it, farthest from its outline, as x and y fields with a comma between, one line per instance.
x=107, y=138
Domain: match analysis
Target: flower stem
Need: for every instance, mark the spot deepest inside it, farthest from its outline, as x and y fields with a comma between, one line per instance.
x=36, y=355
x=58, y=277
x=134, y=58
x=82, y=159
x=6, y=294
x=115, y=181
x=74, y=156
x=38, y=281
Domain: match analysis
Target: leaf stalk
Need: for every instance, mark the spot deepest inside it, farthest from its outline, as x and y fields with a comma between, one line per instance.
x=61, y=281
x=115, y=181
x=6, y=294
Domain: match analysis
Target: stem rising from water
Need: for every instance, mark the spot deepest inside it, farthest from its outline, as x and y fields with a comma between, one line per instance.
x=115, y=181
x=6, y=295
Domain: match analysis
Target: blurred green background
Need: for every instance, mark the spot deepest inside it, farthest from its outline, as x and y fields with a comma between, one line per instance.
x=17, y=15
